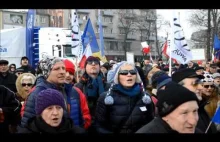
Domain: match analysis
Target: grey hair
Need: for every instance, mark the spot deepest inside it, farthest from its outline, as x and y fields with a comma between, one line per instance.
x=138, y=78
x=28, y=77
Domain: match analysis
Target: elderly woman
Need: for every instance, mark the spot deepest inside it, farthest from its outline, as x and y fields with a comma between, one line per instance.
x=177, y=111
x=210, y=94
x=24, y=83
x=49, y=117
x=125, y=107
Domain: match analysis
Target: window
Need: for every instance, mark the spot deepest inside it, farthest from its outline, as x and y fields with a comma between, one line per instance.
x=42, y=19
x=111, y=45
x=122, y=31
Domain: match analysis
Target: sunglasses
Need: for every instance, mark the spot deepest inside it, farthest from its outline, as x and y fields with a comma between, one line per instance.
x=26, y=84
x=125, y=72
x=91, y=62
x=207, y=86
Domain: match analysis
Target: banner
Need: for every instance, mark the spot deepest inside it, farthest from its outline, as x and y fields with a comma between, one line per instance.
x=13, y=45
x=179, y=48
x=77, y=48
x=30, y=32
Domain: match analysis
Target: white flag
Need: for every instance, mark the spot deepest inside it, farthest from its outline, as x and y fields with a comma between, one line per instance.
x=179, y=48
x=77, y=48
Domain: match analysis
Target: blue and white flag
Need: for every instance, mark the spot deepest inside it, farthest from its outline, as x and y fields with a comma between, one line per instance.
x=77, y=48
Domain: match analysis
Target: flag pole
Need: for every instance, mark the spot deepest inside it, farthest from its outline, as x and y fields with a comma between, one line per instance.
x=208, y=127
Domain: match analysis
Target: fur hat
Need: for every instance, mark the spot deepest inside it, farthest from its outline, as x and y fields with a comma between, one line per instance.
x=47, y=98
x=70, y=67
x=173, y=96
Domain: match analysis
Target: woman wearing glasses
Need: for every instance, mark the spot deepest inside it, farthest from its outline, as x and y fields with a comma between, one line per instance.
x=24, y=83
x=210, y=94
x=125, y=107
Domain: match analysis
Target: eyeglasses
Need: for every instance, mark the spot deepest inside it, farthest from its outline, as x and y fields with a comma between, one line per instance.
x=91, y=62
x=125, y=72
x=26, y=84
x=207, y=86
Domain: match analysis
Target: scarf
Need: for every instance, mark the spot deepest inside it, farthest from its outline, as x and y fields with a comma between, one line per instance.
x=95, y=87
x=133, y=91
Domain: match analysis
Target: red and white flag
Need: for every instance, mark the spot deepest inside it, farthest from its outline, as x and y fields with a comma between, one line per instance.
x=164, y=49
x=86, y=54
x=145, y=47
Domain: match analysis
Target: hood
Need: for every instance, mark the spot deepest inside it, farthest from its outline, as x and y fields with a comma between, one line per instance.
x=19, y=88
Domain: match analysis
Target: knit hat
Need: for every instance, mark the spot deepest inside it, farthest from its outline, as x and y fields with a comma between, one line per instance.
x=138, y=78
x=47, y=98
x=185, y=73
x=173, y=96
x=207, y=78
x=155, y=76
x=92, y=58
x=163, y=80
x=216, y=75
x=45, y=65
x=70, y=67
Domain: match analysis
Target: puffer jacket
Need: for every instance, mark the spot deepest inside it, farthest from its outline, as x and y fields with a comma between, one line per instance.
x=126, y=115
x=82, y=117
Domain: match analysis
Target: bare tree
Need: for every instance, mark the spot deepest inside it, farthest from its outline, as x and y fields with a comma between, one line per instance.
x=209, y=20
x=127, y=25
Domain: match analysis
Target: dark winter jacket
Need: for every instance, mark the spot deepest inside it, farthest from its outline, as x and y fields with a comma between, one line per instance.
x=73, y=101
x=158, y=125
x=28, y=69
x=126, y=115
x=204, y=119
x=11, y=109
x=38, y=126
x=8, y=81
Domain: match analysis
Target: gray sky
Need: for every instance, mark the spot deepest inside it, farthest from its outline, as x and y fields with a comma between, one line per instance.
x=184, y=14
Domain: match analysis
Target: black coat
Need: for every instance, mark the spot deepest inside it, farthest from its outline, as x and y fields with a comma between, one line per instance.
x=38, y=126
x=158, y=125
x=9, y=81
x=124, y=116
x=11, y=109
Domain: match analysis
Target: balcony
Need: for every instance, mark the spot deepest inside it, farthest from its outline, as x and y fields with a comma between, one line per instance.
x=130, y=36
x=108, y=13
x=104, y=24
x=83, y=11
x=108, y=35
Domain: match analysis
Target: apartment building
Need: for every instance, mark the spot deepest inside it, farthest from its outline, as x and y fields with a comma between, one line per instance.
x=113, y=31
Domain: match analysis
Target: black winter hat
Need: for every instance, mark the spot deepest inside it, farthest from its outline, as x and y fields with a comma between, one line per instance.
x=3, y=62
x=185, y=73
x=92, y=58
x=173, y=96
x=106, y=65
x=155, y=76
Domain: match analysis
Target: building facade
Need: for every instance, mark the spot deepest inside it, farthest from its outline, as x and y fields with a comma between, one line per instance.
x=113, y=31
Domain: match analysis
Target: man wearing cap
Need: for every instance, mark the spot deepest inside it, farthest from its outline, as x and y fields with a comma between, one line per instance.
x=190, y=80
x=177, y=111
x=25, y=66
x=216, y=77
x=7, y=79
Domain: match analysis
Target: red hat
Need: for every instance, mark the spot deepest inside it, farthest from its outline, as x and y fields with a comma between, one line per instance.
x=69, y=66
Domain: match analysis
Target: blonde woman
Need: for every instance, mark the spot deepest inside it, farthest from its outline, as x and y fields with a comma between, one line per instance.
x=24, y=83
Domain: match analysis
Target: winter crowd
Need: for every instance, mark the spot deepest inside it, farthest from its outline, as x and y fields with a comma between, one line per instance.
x=108, y=98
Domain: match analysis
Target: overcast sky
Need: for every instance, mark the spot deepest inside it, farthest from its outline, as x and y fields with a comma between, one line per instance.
x=184, y=14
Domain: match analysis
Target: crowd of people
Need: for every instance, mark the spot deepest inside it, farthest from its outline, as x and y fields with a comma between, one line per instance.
x=108, y=98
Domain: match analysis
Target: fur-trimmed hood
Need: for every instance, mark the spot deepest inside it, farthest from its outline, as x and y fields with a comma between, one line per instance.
x=20, y=90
